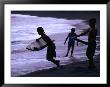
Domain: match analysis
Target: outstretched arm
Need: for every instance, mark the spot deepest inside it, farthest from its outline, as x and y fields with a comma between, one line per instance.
x=83, y=33
x=66, y=39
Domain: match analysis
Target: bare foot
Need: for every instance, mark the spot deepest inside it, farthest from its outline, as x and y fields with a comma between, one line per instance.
x=71, y=56
x=91, y=66
x=58, y=63
x=65, y=55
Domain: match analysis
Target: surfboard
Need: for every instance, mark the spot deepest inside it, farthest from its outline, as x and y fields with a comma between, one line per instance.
x=37, y=45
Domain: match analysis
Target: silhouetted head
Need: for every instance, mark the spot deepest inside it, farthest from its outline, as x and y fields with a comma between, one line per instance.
x=92, y=22
x=72, y=30
x=40, y=30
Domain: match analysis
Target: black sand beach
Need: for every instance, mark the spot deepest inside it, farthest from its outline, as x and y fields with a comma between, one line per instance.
x=75, y=69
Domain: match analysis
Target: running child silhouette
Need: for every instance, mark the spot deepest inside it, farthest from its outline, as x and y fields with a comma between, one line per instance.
x=71, y=41
x=50, y=47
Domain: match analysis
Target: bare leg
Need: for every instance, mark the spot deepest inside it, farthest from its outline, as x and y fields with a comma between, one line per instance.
x=68, y=50
x=57, y=62
x=91, y=62
x=72, y=50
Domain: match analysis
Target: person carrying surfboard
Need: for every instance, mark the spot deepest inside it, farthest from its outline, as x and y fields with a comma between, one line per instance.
x=71, y=41
x=51, y=53
x=91, y=41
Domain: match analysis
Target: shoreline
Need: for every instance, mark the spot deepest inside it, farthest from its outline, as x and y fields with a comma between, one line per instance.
x=75, y=69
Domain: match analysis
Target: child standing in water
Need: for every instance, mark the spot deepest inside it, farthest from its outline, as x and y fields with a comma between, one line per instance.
x=50, y=47
x=71, y=41
x=91, y=41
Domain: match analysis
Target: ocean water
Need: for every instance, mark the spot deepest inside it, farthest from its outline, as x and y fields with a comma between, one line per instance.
x=23, y=32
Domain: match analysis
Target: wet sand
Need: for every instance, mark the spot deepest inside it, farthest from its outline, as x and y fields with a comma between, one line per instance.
x=75, y=69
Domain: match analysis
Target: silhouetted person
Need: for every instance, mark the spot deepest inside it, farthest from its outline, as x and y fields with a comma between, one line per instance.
x=91, y=41
x=71, y=41
x=50, y=47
